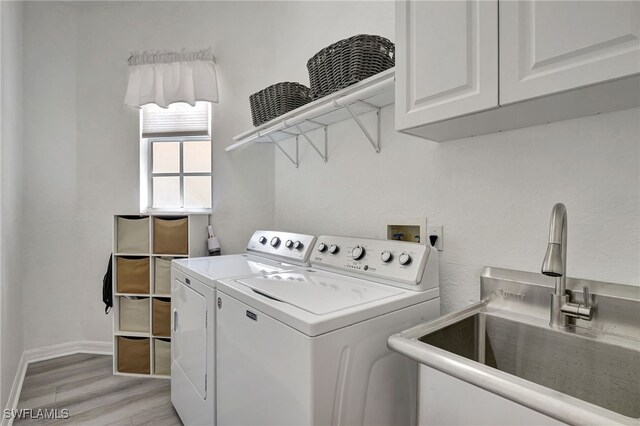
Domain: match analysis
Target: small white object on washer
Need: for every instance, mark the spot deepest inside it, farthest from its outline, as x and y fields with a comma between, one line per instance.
x=309, y=346
x=193, y=296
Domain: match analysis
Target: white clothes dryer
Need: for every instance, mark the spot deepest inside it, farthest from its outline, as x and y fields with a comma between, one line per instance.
x=193, y=297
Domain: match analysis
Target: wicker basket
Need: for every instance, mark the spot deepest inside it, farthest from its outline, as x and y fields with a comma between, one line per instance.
x=347, y=62
x=276, y=100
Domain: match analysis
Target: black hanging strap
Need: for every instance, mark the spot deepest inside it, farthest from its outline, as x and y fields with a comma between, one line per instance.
x=107, y=287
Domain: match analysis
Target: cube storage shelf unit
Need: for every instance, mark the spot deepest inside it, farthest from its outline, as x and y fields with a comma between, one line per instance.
x=143, y=247
x=366, y=96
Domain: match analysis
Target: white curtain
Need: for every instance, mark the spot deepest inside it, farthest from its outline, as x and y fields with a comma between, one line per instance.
x=164, y=78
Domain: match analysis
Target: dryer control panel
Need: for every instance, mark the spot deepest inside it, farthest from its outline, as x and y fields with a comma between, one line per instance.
x=399, y=263
x=284, y=246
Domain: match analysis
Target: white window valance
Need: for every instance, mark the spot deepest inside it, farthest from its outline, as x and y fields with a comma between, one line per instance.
x=163, y=78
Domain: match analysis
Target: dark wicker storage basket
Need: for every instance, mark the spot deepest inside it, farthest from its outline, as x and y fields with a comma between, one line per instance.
x=276, y=100
x=347, y=62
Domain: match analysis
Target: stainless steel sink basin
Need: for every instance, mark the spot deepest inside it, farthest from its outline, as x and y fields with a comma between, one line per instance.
x=603, y=374
x=578, y=376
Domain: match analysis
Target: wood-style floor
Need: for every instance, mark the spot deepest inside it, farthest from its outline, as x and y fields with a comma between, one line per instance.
x=85, y=385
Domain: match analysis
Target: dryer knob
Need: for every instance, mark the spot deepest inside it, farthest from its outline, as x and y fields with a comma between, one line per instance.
x=322, y=247
x=404, y=259
x=298, y=245
x=262, y=240
x=334, y=249
x=275, y=242
x=288, y=244
x=386, y=256
x=357, y=253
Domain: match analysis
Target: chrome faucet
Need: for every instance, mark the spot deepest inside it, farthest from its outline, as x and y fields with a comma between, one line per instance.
x=555, y=265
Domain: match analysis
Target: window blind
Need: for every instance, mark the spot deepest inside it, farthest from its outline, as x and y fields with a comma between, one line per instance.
x=177, y=119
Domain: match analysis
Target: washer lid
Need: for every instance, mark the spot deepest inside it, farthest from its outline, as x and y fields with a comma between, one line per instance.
x=318, y=292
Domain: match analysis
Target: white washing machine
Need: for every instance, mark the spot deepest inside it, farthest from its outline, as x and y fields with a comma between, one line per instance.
x=193, y=297
x=309, y=347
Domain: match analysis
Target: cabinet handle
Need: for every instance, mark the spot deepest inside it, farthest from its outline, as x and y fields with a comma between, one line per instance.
x=175, y=320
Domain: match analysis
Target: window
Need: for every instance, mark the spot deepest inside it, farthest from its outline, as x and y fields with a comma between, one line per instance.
x=175, y=158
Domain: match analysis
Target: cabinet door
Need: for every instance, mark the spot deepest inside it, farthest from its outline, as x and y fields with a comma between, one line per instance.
x=553, y=46
x=446, y=60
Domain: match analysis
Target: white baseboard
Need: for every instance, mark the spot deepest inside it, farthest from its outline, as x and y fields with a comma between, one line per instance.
x=67, y=348
x=48, y=352
x=16, y=387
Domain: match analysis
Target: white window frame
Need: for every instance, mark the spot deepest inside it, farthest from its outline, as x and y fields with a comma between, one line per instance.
x=146, y=171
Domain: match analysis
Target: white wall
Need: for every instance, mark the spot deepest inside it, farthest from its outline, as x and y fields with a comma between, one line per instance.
x=493, y=194
x=81, y=144
x=11, y=238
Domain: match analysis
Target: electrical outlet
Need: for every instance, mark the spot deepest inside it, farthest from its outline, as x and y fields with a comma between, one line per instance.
x=435, y=230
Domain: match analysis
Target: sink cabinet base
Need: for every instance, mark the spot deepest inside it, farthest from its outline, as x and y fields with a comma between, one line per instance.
x=446, y=400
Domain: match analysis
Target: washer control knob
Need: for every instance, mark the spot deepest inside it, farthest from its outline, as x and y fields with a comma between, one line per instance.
x=334, y=249
x=288, y=244
x=386, y=256
x=275, y=242
x=262, y=240
x=357, y=253
x=298, y=245
x=404, y=259
x=322, y=247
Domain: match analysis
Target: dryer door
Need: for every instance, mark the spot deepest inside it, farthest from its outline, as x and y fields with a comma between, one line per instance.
x=189, y=333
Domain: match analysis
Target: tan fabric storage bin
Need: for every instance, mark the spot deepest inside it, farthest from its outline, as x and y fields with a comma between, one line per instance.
x=162, y=275
x=132, y=275
x=162, y=357
x=134, y=314
x=171, y=235
x=161, y=318
x=132, y=235
x=134, y=355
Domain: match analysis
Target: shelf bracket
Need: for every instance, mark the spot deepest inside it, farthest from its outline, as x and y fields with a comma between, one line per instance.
x=375, y=142
x=277, y=144
x=304, y=134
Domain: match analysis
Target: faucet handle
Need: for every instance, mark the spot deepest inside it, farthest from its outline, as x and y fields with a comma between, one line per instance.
x=586, y=297
x=582, y=310
x=585, y=311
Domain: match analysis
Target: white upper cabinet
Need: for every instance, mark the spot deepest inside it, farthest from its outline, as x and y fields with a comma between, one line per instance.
x=447, y=59
x=552, y=46
x=554, y=60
